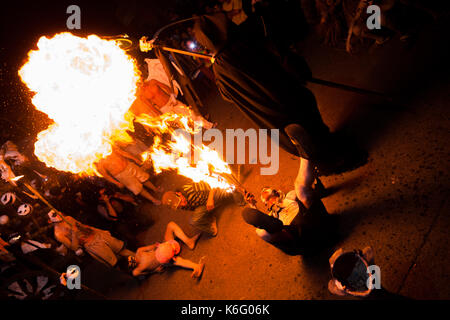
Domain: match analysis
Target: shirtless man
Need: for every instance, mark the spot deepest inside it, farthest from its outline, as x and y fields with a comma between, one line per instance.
x=79, y=237
x=123, y=173
x=156, y=257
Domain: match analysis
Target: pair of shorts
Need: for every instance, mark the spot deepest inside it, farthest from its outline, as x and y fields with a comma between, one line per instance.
x=104, y=247
x=133, y=177
x=203, y=220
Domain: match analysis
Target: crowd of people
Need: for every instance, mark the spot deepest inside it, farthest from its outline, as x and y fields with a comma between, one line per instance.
x=89, y=213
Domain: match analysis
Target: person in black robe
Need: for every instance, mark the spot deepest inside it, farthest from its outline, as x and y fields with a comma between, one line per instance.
x=251, y=76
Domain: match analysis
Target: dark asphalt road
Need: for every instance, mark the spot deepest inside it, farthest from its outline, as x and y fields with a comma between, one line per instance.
x=396, y=202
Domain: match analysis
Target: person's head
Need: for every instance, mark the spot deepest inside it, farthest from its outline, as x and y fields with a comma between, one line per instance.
x=270, y=196
x=211, y=31
x=166, y=251
x=16, y=157
x=54, y=217
x=4, y=219
x=53, y=189
x=36, y=183
x=350, y=269
x=173, y=199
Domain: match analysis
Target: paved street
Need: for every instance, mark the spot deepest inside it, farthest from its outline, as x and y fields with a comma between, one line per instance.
x=396, y=202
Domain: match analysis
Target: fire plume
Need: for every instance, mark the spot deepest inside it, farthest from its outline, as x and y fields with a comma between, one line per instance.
x=176, y=154
x=86, y=86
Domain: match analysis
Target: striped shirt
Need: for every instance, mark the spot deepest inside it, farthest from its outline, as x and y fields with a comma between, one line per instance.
x=196, y=194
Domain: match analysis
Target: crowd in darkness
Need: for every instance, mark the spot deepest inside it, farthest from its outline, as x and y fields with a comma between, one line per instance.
x=336, y=22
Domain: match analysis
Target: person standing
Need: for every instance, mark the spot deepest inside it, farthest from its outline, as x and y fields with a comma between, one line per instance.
x=250, y=76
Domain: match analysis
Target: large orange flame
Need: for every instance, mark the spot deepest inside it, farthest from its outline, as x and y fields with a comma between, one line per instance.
x=86, y=86
x=177, y=153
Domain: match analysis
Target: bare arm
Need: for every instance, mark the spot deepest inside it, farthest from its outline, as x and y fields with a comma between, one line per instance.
x=66, y=241
x=358, y=293
x=184, y=263
x=125, y=197
x=146, y=248
x=197, y=267
x=359, y=9
x=210, y=201
x=111, y=211
x=139, y=270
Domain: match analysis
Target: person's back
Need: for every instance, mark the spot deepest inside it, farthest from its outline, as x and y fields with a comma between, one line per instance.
x=114, y=163
x=65, y=229
x=146, y=261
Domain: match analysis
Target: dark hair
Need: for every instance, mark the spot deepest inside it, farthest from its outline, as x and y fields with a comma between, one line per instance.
x=343, y=267
x=124, y=266
x=37, y=183
x=211, y=31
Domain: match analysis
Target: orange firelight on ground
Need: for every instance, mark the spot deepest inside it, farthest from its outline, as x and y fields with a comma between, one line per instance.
x=86, y=86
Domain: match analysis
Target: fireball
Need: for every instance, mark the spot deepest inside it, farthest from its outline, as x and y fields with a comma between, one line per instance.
x=86, y=86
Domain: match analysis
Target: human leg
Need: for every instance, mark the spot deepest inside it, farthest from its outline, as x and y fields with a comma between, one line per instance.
x=174, y=231
x=306, y=173
x=204, y=220
x=126, y=253
x=151, y=186
x=304, y=182
x=148, y=196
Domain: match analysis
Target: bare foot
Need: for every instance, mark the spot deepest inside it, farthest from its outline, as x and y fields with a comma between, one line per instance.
x=156, y=202
x=198, y=269
x=193, y=241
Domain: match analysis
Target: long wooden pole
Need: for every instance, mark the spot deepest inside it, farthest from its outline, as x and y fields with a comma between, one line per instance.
x=37, y=194
x=312, y=80
x=188, y=53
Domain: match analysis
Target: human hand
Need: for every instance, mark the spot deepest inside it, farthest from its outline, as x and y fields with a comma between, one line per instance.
x=210, y=204
x=349, y=47
x=198, y=269
x=250, y=198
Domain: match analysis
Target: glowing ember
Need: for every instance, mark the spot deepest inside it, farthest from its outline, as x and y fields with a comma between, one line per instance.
x=176, y=154
x=86, y=86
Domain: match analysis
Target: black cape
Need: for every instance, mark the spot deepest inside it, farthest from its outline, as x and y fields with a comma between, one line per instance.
x=251, y=77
